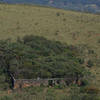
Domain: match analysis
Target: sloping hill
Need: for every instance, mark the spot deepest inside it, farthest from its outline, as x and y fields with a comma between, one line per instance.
x=55, y=24
x=65, y=26
x=80, y=5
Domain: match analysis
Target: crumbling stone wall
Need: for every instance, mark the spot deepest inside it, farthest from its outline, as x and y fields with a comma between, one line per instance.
x=22, y=83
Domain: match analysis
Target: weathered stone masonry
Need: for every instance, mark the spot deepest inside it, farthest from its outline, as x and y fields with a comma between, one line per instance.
x=21, y=83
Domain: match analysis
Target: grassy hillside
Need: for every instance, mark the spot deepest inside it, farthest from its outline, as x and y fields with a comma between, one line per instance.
x=44, y=93
x=55, y=24
x=92, y=6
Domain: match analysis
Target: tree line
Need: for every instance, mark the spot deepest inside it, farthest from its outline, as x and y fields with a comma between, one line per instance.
x=33, y=56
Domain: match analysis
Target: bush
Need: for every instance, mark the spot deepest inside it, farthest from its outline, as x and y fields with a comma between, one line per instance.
x=57, y=14
x=60, y=86
x=92, y=90
x=81, y=61
x=84, y=82
x=90, y=63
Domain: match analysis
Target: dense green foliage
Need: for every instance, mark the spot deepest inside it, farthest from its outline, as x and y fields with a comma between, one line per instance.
x=33, y=57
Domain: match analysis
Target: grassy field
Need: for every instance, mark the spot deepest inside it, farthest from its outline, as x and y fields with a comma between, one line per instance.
x=36, y=93
x=55, y=24
x=65, y=26
x=44, y=93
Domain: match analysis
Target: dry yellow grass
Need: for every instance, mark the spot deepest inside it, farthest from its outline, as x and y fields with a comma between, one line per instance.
x=57, y=24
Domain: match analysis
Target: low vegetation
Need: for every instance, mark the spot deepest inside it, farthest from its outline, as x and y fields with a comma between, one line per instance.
x=33, y=57
x=44, y=93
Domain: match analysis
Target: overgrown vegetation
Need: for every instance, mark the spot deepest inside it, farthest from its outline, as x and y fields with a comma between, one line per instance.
x=44, y=93
x=33, y=57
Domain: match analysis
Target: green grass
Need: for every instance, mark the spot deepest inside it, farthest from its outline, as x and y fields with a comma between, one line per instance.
x=36, y=93
x=44, y=93
x=55, y=24
x=65, y=26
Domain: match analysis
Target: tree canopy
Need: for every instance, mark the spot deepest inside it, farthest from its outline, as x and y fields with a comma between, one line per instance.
x=32, y=57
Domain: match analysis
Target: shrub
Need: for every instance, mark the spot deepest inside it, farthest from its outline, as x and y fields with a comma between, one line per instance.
x=84, y=83
x=57, y=14
x=81, y=61
x=60, y=86
x=92, y=90
x=64, y=19
x=91, y=51
x=42, y=85
x=90, y=63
